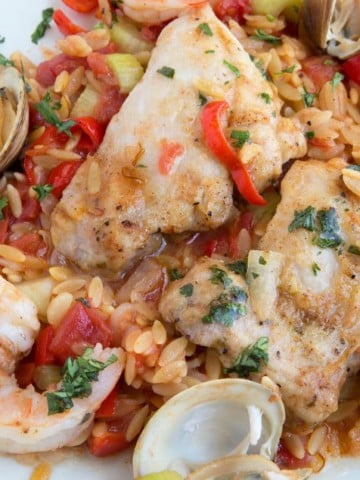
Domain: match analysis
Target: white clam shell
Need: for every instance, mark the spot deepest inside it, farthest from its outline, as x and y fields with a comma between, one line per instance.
x=209, y=421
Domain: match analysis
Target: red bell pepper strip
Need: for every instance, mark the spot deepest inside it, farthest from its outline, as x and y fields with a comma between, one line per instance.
x=61, y=175
x=352, y=68
x=65, y=25
x=92, y=128
x=82, y=6
x=24, y=373
x=43, y=356
x=110, y=442
x=221, y=148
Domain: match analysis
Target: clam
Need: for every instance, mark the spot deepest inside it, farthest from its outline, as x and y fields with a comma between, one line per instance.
x=210, y=421
x=14, y=115
x=332, y=25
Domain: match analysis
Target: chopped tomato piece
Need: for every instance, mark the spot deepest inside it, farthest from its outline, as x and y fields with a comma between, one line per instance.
x=81, y=327
x=4, y=226
x=82, y=6
x=24, y=373
x=30, y=243
x=110, y=442
x=65, y=25
x=221, y=148
x=109, y=103
x=235, y=9
x=29, y=168
x=352, y=68
x=43, y=355
x=98, y=64
x=108, y=407
x=320, y=69
x=31, y=209
x=168, y=154
x=61, y=175
x=48, y=70
x=92, y=128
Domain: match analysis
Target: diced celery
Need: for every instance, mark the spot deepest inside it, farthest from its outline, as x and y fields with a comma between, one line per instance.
x=46, y=375
x=291, y=8
x=127, y=68
x=128, y=38
x=39, y=291
x=165, y=475
x=85, y=104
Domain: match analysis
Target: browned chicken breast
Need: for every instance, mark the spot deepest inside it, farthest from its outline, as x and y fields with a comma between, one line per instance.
x=153, y=173
x=303, y=288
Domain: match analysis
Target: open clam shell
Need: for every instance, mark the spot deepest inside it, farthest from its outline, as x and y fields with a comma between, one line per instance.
x=332, y=25
x=14, y=115
x=209, y=421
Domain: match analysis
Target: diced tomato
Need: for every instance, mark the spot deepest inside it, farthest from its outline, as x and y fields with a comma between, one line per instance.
x=320, y=69
x=24, y=373
x=4, y=226
x=61, y=175
x=81, y=327
x=29, y=168
x=98, y=64
x=109, y=103
x=150, y=33
x=65, y=25
x=351, y=68
x=107, y=409
x=31, y=243
x=31, y=209
x=235, y=9
x=43, y=355
x=107, y=444
x=47, y=71
x=285, y=460
x=82, y=6
x=92, y=128
x=168, y=154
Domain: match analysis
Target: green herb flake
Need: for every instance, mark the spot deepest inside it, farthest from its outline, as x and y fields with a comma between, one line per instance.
x=168, y=72
x=2, y=39
x=202, y=99
x=254, y=275
x=354, y=250
x=46, y=109
x=270, y=17
x=240, y=137
x=262, y=260
x=328, y=231
x=205, y=29
x=239, y=267
x=251, y=358
x=209, y=51
x=308, y=98
x=227, y=307
x=288, y=69
x=354, y=167
x=5, y=62
x=40, y=30
x=337, y=78
x=310, y=135
x=78, y=373
x=99, y=26
x=174, y=274
x=266, y=97
x=187, y=290
x=265, y=37
x=232, y=67
x=315, y=268
x=3, y=203
x=329, y=62
x=304, y=219
x=220, y=277
x=42, y=190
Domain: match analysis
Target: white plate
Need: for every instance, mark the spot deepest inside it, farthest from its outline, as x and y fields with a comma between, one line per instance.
x=18, y=20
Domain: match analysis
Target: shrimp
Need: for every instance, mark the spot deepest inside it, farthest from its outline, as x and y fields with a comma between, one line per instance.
x=19, y=325
x=26, y=426
x=154, y=12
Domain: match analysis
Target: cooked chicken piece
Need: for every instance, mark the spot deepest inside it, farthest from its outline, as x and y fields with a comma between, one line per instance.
x=304, y=297
x=153, y=172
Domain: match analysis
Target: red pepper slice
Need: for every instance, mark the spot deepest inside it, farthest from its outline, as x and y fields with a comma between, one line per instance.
x=65, y=25
x=352, y=68
x=221, y=148
x=82, y=6
x=43, y=356
x=92, y=128
x=107, y=444
x=61, y=175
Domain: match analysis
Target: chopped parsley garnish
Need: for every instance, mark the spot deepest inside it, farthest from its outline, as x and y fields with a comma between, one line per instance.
x=266, y=97
x=354, y=249
x=3, y=202
x=265, y=37
x=205, y=29
x=227, y=307
x=239, y=267
x=315, y=268
x=45, y=108
x=270, y=17
x=288, y=69
x=250, y=359
x=187, y=290
x=168, y=72
x=254, y=275
x=310, y=135
x=240, y=137
x=259, y=65
x=203, y=100
x=329, y=62
x=209, y=51
x=328, y=231
x=43, y=190
x=220, y=277
x=304, y=219
x=2, y=39
x=78, y=373
x=174, y=274
x=337, y=78
x=40, y=30
x=262, y=260
x=308, y=98
x=354, y=167
x=5, y=62
x=232, y=67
